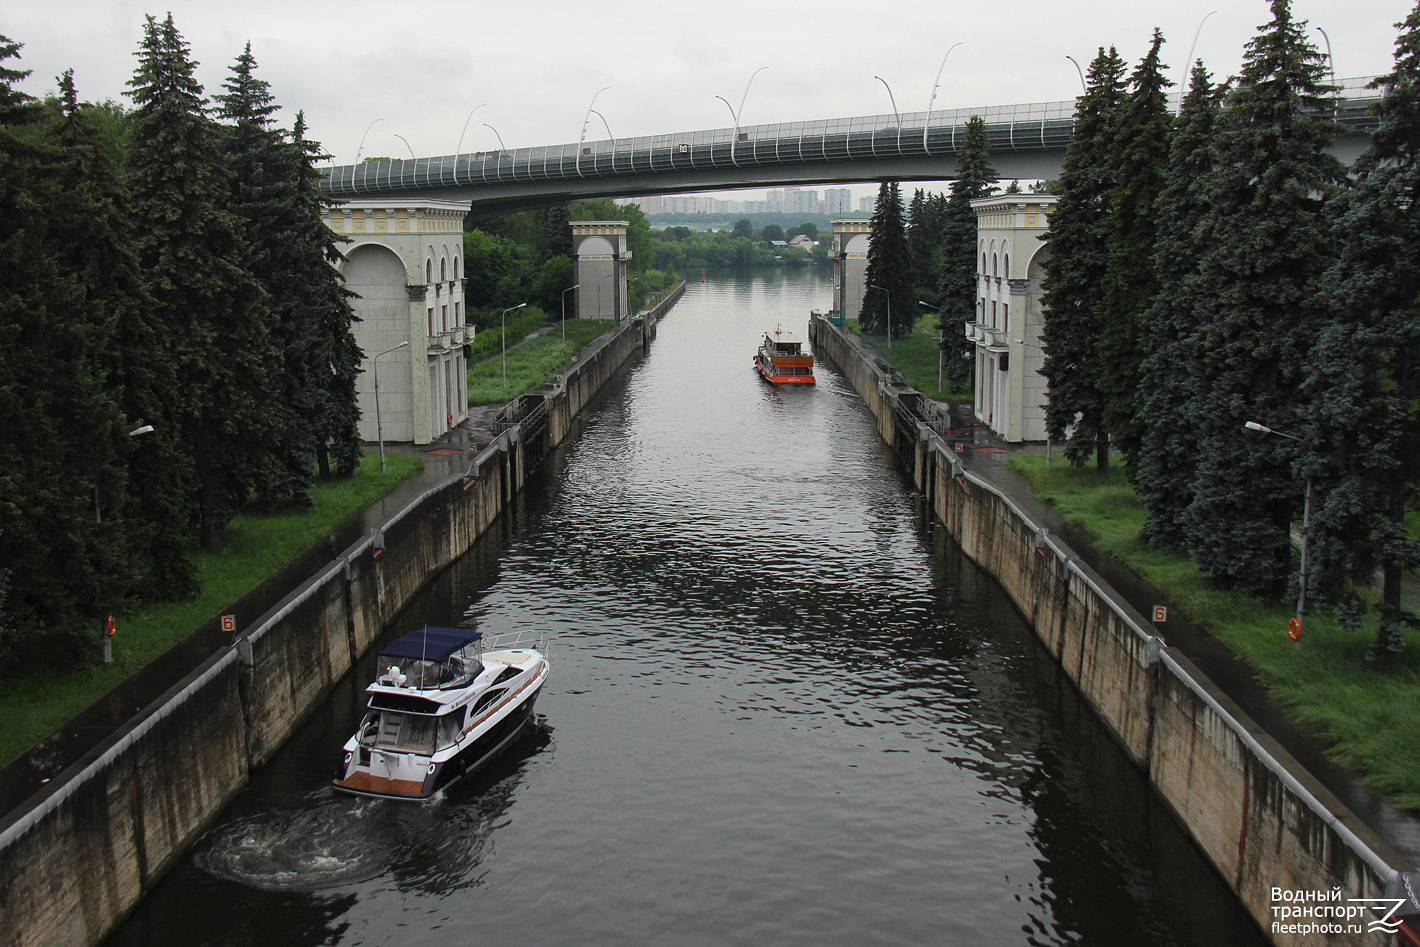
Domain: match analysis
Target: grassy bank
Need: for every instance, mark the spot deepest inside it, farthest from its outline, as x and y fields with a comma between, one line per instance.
x=915, y=356
x=1367, y=713
x=252, y=548
x=530, y=363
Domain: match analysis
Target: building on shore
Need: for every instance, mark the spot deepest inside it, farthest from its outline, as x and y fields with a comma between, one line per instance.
x=405, y=265
x=1011, y=260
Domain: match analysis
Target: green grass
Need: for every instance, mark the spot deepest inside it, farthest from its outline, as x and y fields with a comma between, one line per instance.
x=915, y=356
x=252, y=548
x=1367, y=713
x=531, y=363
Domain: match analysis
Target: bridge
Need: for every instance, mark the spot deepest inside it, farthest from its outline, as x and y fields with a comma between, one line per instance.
x=1027, y=142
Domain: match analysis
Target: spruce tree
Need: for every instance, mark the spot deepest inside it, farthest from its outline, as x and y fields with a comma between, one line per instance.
x=1261, y=272
x=1164, y=469
x=1073, y=289
x=53, y=556
x=924, y=241
x=555, y=233
x=209, y=307
x=142, y=494
x=889, y=269
x=335, y=357
x=262, y=168
x=1365, y=377
x=958, y=279
x=1138, y=159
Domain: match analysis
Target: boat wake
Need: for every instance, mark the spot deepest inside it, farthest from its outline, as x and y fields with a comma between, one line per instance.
x=332, y=842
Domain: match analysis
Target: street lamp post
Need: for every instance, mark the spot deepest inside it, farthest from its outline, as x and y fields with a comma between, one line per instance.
x=504, y=332
x=104, y=627
x=601, y=308
x=564, y=310
x=928, y=122
x=1084, y=89
x=583, y=137
x=896, y=117
x=458, y=149
x=1336, y=90
x=1188, y=66
x=379, y=422
x=361, y=150
x=735, y=115
x=498, y=169
x=889, y=312
x=1306, y=528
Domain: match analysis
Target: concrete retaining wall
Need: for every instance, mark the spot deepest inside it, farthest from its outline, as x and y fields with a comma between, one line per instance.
x=1260, y=818
x=76, y=860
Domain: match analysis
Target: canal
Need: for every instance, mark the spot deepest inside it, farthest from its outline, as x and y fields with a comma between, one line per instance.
x=783, y=710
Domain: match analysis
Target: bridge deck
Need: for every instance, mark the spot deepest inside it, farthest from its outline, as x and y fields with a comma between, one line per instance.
x=687, y=156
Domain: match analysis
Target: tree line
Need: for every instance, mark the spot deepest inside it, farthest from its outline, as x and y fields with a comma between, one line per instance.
x=177, y=344
x=1221, y=268
x=924, y=256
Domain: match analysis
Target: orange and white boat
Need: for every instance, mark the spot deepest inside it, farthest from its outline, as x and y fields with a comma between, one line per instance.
x=782, y=361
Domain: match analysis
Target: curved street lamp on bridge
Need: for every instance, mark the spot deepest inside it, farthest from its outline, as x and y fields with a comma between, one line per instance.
x=928, y=122
x=585, y=119
x=897, y=119
x=736, y=115
x=458, y=149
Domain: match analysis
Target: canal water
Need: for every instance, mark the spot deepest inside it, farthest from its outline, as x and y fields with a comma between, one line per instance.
x=783, y=710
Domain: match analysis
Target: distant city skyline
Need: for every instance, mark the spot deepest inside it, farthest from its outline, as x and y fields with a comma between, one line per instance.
x=845, y=199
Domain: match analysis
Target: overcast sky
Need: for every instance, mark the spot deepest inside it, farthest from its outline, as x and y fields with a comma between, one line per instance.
x=534, y=66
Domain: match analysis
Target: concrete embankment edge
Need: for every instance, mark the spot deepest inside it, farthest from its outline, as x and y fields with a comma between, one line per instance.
x=77, y=857
x=1260, y=818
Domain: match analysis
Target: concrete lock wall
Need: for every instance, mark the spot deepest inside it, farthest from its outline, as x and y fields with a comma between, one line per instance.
x=1261, y=820
x=77, y=858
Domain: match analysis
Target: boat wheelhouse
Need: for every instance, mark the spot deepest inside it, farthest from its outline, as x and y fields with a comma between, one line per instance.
x=781, y=360
x=443, y=702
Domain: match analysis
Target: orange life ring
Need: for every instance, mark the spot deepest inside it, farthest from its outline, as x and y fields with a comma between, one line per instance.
x=1294, y=629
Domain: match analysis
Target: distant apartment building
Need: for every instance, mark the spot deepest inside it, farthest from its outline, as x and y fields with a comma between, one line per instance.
x=867, y=205
x=837, y=200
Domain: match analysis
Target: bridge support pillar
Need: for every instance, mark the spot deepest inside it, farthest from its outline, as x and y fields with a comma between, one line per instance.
x=599, y=247
x=849, y=252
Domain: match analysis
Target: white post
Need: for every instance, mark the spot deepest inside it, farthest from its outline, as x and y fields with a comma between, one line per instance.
x=379, y=424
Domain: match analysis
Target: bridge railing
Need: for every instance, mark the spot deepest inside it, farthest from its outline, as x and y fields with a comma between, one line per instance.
x=1044, y=126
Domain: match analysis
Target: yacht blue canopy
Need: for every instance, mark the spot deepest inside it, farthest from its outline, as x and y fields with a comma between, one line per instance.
x=433, y=644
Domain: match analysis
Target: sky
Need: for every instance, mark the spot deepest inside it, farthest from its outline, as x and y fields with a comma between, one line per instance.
x=434, y=76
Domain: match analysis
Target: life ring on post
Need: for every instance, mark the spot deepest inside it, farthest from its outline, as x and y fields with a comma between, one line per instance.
x=1294, y=629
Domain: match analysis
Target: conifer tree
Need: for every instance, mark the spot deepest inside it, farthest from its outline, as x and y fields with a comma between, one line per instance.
x=1268, y=248
x=1138, y=159
x=142, y=492
x=52, y=556
x=1073, y=297
x=1164, y=469
x=555, y=234
x=262, y=168
x=208, y=306
x=335, y=356
x=1365, y=368
x=924, y=242
x=889, y=269
x=958, y=280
